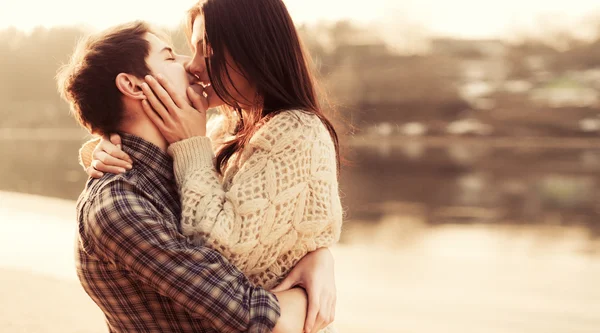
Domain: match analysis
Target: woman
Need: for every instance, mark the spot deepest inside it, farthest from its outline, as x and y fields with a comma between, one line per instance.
x=270, y=195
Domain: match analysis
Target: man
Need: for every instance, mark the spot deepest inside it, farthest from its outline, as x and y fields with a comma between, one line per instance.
x=131, y=258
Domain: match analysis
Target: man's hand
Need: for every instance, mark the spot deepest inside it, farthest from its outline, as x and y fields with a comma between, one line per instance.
x=315, y=273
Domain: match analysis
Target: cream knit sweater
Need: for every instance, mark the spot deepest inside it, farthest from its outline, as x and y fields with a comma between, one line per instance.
x=276, y=204
x=279, y=201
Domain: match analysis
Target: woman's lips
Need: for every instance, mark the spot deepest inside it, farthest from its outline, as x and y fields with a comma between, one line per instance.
x=201, y=88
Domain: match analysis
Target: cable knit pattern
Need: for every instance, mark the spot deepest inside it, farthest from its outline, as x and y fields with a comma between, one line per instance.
x=276, y=204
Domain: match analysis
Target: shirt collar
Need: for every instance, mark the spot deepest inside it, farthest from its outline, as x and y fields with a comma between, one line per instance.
x=148, y=154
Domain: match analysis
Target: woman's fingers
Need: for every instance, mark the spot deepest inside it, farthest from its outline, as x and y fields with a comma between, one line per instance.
x=154, y=102
x=116, y=152
x=158, y=121
x=162, y=94
x=320, y=322
x=108, y=161
x=311, y=315
x=199, y=102
x=329, y=311
x=102, y=167
x=116, y=140
x=179, y=100
x=324, y=314
x=93, y=172
x=333, y=306
x=289, y=282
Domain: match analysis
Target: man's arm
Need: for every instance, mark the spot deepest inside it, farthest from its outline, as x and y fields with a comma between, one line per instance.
x=293, y=311
x=125, y=229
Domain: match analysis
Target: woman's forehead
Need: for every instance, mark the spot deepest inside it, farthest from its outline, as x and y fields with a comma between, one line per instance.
x=198, y=30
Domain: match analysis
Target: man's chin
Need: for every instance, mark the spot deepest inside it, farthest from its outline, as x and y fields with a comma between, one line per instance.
x=213, y=99
x=197, y=88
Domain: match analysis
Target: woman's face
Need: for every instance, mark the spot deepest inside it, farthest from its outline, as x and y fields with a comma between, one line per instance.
x=240, y=89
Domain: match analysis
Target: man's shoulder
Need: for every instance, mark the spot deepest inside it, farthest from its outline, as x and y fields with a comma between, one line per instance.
x=109, y=184
x=112, y=197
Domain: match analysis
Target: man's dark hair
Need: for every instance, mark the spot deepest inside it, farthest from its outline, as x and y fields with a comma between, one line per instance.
x=87, y=82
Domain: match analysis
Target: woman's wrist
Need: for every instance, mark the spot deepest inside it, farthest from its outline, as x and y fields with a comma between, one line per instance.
x=190, y=154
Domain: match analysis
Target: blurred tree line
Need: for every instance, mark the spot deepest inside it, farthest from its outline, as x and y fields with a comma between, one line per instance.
x=369, y=80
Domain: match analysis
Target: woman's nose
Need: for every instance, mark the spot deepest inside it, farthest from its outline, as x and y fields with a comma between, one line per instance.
x=195, y=66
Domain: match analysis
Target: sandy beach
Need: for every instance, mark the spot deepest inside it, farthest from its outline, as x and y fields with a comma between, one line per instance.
x=31, y=302
x=39, y=291
x=400, y=277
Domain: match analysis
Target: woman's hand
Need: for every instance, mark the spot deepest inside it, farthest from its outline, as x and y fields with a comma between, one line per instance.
x=175, y=118
x=315, y=273
x=109, y=157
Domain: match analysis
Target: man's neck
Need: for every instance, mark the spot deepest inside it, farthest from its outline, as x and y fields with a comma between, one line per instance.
x=145, y=129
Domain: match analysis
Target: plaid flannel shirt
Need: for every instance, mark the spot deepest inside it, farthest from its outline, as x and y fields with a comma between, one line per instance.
x=143, y=273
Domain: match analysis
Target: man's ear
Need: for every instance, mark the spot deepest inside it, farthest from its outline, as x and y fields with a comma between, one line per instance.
x=129, y=85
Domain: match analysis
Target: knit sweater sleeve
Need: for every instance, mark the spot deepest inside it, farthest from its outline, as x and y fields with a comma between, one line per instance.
x=85, y=152
x=282, y=202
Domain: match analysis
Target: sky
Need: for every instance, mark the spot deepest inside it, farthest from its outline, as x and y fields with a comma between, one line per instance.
x=458, y=18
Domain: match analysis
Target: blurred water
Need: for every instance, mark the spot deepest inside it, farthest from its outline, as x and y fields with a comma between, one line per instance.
x=456, y=183
x=470, y=182
x=42, y=162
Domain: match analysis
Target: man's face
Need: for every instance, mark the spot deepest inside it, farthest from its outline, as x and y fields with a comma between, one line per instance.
x=164, y=61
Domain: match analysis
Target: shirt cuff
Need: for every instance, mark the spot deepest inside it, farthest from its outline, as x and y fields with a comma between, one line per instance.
x=191, y=154
x=264, y=311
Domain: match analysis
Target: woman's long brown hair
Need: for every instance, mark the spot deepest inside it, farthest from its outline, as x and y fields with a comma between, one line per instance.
x=262, y=40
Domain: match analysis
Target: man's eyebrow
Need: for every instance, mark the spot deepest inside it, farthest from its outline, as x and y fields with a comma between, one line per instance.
x=168, y=49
